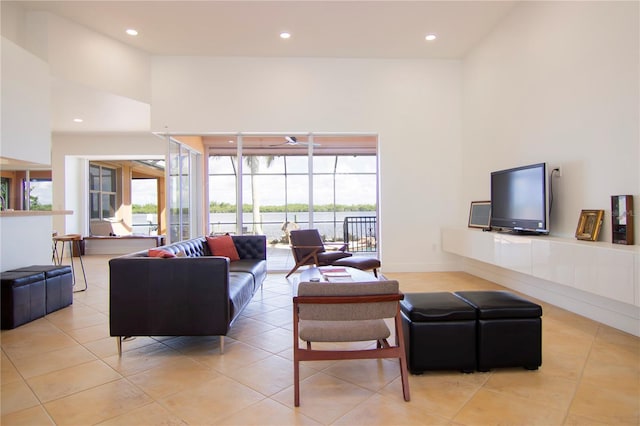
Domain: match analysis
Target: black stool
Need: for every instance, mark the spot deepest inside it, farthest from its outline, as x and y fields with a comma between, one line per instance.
x=440, y=332
x=23, y=297
x=58, y=284
x=509, y=329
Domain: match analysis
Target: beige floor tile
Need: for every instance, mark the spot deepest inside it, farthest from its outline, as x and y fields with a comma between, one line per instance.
x=245, y=327
x=97, y=404
x=28, y=417
x=77, y=316
x=236, y=355
x=493, y=408
x=211, y=401
x=554, y=392
x=385, y=411
x=70, y=380
x=163, y=381
x=324, y=398
x=43, y=363
x=268, y=413
x=16, y=396
x=37, y=337
x=91, y=333
x=270, y=375
x=194, y=345
x=8, y=372
x=372, y=374
x=612, y=353
x=143, y=358
x=609, y=406
x=251, y=383
x=439, y=395
x=613, y=376
x=150, y=414
x=273, y=341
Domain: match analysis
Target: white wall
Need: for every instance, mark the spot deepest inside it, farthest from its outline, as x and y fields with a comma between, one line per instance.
x=25, y=123
x=87, y=58
x=26, y=240
x=557, y=82
x=413, y=105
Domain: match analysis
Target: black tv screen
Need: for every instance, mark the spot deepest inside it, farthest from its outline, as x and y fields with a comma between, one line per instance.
x=519, y=199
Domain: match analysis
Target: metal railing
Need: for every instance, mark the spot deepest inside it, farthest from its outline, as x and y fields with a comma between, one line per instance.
x=360, y=233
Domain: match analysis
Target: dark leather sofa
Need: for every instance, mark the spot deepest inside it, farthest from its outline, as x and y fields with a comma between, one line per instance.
x=195, y=295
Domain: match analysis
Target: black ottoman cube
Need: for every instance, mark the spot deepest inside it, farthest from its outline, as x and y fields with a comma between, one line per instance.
x=23, y=298
x=58, y=284
x=440, y=332
x=509, y=329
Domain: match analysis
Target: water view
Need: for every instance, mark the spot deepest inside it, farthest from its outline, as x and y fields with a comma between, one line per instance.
x=274, y=225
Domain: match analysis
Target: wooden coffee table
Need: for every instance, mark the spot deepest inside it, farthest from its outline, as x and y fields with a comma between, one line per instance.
x=313, y=273
x=355, y=275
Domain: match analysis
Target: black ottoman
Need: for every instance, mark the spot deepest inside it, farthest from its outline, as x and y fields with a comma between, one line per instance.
x=440, y=332
x=509, y=329
x=58, y=284
x=23, y=297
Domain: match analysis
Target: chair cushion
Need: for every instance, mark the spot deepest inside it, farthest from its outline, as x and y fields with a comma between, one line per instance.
x=359, y=262
x=343, y=331
x=329, y=257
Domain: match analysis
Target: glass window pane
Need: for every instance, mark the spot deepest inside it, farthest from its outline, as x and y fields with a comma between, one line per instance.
x=108, y=206
x=356, y=164
x=40, y=195
x=297, y=164
x=94, y=178
x=94, y=205
x=222, y=164
x=324, y=164
x=108, y=180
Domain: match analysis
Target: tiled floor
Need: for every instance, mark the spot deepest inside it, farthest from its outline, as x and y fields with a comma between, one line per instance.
x=63, y=369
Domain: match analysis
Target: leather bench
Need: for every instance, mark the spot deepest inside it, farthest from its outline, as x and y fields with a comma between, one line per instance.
x=509, y=329
x=23, y=297
x=440, y=332
x=58, y=284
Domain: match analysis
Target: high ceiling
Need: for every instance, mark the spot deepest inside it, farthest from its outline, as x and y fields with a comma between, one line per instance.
x=343, y=29
x=354, y=29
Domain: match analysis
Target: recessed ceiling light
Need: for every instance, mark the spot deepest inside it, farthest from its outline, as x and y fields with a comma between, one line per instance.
x=430, y=37
x=78, y=120
x=132, y=32
x=285, y=35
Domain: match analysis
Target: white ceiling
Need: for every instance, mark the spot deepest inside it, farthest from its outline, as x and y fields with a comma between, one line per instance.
x=353, y=29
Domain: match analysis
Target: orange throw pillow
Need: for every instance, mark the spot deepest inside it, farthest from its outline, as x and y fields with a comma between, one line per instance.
x=223, y=246
x=160, y=253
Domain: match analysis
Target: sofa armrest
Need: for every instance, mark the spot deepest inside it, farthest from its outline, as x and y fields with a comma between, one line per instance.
x=169, y=297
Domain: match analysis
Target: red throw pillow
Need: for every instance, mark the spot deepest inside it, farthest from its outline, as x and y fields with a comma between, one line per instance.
x=223, y=246
x=160, y=253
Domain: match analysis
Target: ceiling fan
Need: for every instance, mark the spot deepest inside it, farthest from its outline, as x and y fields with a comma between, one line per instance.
x=293, y=141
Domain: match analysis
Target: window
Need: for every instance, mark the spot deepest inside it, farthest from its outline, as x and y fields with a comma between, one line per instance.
x=102, y=192
x=317, y=183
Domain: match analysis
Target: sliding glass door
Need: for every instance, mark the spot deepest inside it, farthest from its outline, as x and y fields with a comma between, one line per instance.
x=318, y=182
x=184, y=173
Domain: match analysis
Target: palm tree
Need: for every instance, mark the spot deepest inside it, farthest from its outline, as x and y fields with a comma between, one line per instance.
x=253, y=161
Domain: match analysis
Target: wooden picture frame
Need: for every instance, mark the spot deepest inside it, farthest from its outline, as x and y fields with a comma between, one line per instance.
x=480, y=214
x=589, y=224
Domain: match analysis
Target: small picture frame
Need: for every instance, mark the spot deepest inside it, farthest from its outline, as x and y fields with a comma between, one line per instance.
x=589, y=225
x=480, y=214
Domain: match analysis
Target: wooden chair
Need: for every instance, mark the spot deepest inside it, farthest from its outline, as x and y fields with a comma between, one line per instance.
x=309, y=249
x=347, y=312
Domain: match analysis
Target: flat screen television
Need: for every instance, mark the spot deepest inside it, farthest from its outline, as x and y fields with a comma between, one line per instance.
x=520, y=199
